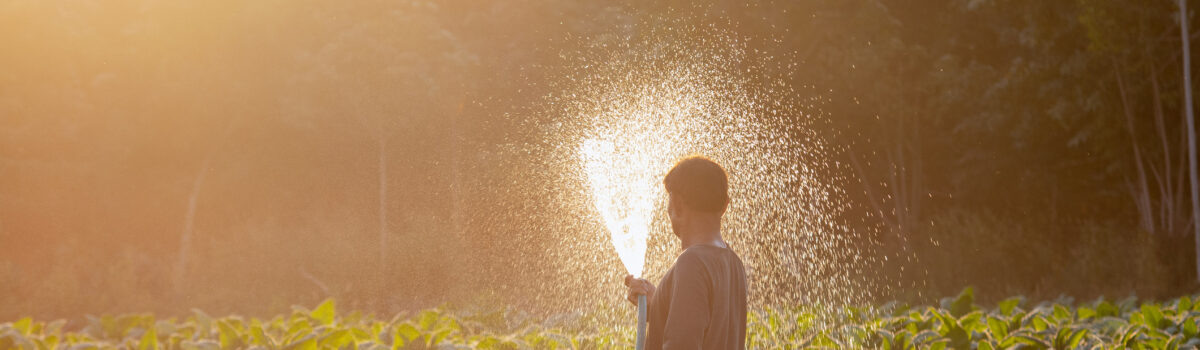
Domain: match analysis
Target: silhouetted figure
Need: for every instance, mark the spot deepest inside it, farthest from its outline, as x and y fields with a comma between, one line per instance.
x=701, y=302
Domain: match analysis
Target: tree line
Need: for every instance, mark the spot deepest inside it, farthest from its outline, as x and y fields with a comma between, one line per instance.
x=166, y=152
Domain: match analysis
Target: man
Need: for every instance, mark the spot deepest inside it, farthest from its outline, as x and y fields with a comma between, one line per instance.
x=701, y=302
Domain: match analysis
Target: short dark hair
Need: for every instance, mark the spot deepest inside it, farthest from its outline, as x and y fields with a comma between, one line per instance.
x=700, y=183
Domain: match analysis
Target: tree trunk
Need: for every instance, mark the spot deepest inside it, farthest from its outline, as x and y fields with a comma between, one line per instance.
x=382, y=281
x=1191, y=125
x=1140, y=191
x=1166, y=211
x=382, y=203
x=189, y=217
x=189, y=223
x=457, y=193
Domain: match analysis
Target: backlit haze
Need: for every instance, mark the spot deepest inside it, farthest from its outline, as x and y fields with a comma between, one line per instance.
x=240, y=157
x=248, y=156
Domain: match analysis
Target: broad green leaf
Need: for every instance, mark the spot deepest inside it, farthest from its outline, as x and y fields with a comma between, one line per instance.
x=1129, y=335
x=885, y=337
x=54, y=327
x=48, y=343
x=299, y=327
x=149, y=340
x=229, y=336
x=1033, y=341
x=360, y=334
x=427, y=319
x=959, y=338
x=202, y=321
x=260, y=336
x=1190, y=329
x=1008, y=305
x=1061, y=337
x=1037, y=322
x=1105, y=308
x=998, y=328
x=324, y=313
x=963, y=303
x=1076, y=338
x=1041, y=324
x=1153, y=316
x=972, y=321
x=24, y=326
x=1085, y=313
x=939, y=345
x=336, y=339
x=406, y=332
x=308, y=342
x=439, y=336
x=925, y=337
x=1062, y=314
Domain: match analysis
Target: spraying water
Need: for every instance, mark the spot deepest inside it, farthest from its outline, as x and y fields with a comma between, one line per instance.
x=625, y=188
x=621, y=171
x=628, y=108
x=693, y=91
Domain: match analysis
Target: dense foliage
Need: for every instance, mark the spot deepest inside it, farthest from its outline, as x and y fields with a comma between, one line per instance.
x=192, y=148
x=957, y=323
x=319, y=328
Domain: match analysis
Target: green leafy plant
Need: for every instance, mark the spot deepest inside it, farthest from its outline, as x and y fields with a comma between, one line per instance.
x=957, y=323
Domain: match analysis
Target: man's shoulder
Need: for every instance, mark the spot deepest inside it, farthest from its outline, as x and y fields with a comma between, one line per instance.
x=705, y=251
x=701, y=254
x=693, y=254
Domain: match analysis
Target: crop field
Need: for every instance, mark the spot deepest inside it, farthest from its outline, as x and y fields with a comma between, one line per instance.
x=957, y=323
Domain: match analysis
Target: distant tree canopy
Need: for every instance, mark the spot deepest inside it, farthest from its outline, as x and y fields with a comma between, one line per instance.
x=1054, y=126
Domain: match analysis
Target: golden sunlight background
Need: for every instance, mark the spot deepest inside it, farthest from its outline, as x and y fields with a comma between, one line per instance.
x=245, y=156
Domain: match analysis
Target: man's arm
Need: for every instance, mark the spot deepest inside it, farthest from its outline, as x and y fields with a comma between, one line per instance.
x=690, y=302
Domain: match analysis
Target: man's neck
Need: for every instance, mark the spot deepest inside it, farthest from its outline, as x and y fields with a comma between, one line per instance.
x=705, y=232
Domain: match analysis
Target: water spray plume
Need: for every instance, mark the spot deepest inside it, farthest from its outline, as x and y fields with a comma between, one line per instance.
x=635, y=103
x=622, y=170
x=625, y=188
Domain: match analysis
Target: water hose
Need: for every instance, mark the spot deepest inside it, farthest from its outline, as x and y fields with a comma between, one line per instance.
x=641, y=327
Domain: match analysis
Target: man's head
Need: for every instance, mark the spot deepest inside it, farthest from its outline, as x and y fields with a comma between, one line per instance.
x=698, y=190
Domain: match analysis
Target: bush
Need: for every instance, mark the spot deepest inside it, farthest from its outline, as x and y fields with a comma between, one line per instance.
x=1005, y=257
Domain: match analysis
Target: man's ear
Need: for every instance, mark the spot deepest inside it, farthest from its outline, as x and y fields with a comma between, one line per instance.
x=726, y=206
x=675, y=207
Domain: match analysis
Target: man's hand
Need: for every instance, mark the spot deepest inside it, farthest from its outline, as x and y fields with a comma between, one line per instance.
x=638, y=286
